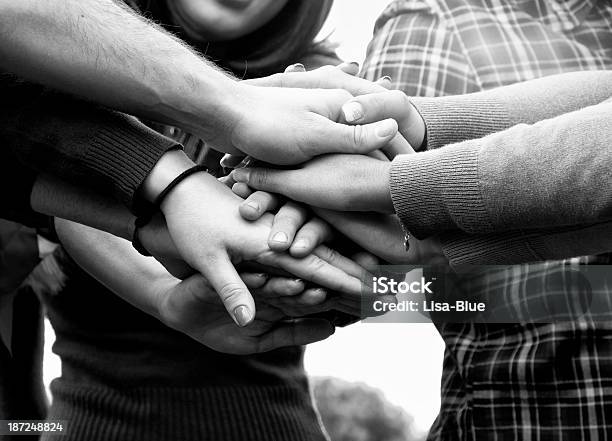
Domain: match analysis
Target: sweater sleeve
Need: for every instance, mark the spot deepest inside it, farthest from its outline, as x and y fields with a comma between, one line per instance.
x=80, y=142
x=453, y=119
x=549, y=174
x=524, y=246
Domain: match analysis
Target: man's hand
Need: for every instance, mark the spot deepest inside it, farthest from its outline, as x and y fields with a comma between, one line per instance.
x=336, y=182
x=290, y=126
x=191, y=306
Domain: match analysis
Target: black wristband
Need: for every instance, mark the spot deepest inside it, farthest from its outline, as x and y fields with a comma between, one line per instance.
x=145, y=218
x=176, y=181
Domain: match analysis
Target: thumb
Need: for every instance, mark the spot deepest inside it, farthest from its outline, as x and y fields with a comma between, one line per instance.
x=223, y=277
x=390, y=104
x=356, y=139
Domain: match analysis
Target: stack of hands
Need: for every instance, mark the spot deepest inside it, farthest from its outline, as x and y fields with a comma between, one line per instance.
x=255, y=242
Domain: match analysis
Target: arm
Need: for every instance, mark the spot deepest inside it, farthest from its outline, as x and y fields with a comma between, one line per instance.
x=516, y=247
x=453, y=119
x=190, y=306
x=554, y=173
x=105, y=52
x=77, y=141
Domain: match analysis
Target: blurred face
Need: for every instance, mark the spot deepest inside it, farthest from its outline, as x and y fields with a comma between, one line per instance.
x=219, y=20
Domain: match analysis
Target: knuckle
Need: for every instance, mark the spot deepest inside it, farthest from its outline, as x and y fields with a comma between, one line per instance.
x=261, y=178
x=398, y=96
x=231, y=292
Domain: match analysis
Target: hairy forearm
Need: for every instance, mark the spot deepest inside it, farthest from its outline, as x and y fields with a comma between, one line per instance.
x=54, y=197
x=104, y=52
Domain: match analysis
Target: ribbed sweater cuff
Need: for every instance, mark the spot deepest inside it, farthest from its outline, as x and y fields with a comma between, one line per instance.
x=459, y=118
x=125, y=155
x=500, y=249
x=437, y=191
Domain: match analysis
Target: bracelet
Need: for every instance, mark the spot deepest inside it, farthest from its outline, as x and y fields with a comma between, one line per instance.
x=145, y=218
x=176, y=181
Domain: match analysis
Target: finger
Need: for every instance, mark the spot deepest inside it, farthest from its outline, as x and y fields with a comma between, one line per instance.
x=295, y=333
x=316, y=270
x=385, y=82
x=228, y=181
x=287, y=221
x=332, y=137
x=341, y=262
x=241, y=189
x=376, y=106
x=231, y=161
x=378, y=154
x=264, y=179
x=351, y=68
x=254, y=281
x=297, y=67
x=365, y=259
x=310, y=297
x=311, y=235
x=397, y=146
x=278, y=287
x=326, y=77
x=257, y=204
x=223, y=277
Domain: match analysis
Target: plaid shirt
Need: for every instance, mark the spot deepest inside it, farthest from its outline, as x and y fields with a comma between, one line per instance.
x=523, y=381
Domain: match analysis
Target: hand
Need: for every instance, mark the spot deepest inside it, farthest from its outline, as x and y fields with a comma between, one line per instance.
x=388, y=104
x=326, y=77
x=293, y=228
x=291, y=126
x=210, y=235
x=383, y=236
x=192, y=307
x=337, y=182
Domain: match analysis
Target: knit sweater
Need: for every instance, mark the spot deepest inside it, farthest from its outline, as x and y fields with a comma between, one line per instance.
x=126, y=376
x=536, y=191
x=74, y=140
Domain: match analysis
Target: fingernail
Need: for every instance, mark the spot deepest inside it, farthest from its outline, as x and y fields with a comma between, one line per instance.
x=353, y=111
x=300, y=243
x=298, y=280
x=253, y=205
x=242, y=315
x=354, y=63
x=386, y=79
x=280, y=237
x=296, y=66
x=241, y=175
x=386, y=129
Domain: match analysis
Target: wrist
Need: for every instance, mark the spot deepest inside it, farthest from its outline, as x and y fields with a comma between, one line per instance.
x=169, y=166
x=383, y=190
x=416, y=131
x=210, y=108
x=199, y=188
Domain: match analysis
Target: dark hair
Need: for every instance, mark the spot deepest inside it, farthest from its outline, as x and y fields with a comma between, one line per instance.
x=284, y=40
